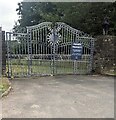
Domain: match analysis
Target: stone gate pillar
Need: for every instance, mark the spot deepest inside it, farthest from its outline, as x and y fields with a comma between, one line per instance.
x=3, y=53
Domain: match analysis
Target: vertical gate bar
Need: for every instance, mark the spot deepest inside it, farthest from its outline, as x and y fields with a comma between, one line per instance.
x=63, y=69
x=16, y=56
x=73, y=40
x=41, y=61
x=70, y=45
x=43, y=50
x=80, y=61
x=46, y=41
x=51, y=52
x=91, y=54
x=23, y=56
x=19, y=47
x=8, y=52
x=25, y=43
x=53, y=49
x=36, y=40
x=67, y=41
x=16, y=53
x=24, y=60
x=56, y=48
x=83, y=57
x=40, y=51
x=33, y=51
x=42, y=43
x=29, y=51
x=22, y=40
x=22, y=66
x=26, y=54
x=88, y=55
x=32, y=38
x=38, y=47
x=65, y=50
x=33, y=43
x=47, y=70
x=62, y=47
x=20, y=57
x=80, y=68
x=74, y=61
x=35, y=47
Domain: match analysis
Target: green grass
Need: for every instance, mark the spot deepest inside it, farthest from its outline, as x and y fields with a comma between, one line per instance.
x=4, y=84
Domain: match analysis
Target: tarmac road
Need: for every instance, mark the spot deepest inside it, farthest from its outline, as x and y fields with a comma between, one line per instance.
x=68, y=96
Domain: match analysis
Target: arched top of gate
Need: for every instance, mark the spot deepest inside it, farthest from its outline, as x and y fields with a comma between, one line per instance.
x=41, y=25
x=61, y=25
x=73, y=30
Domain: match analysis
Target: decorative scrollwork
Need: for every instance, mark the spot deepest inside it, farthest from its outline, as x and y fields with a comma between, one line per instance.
x=54, y=36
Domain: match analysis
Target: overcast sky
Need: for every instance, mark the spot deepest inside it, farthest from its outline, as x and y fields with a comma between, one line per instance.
x=8, y=14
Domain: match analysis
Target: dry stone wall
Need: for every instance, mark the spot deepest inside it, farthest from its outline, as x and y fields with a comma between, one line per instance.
x=104, y=53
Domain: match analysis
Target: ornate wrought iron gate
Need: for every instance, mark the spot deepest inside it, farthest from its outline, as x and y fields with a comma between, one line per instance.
x=49, y=49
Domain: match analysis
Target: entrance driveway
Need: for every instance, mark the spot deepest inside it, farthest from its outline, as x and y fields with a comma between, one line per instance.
x=71, y=96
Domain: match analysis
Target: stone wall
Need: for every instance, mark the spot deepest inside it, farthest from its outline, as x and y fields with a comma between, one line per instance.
x=104, y=55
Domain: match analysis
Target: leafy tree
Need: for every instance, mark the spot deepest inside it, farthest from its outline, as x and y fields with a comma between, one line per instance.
x=87, y=17
x=95, y=17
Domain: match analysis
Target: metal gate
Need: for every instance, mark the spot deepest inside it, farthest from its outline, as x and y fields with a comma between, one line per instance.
x=49, y=49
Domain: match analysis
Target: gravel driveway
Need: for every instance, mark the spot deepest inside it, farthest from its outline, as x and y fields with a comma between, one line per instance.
x=72, y=96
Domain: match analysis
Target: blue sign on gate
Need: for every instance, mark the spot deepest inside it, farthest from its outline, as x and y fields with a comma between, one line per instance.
x=76, y=51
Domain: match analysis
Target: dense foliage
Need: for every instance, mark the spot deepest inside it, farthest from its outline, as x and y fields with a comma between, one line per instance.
x=87, y=17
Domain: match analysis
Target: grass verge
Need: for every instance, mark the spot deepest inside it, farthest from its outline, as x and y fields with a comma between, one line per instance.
x=4, y=84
